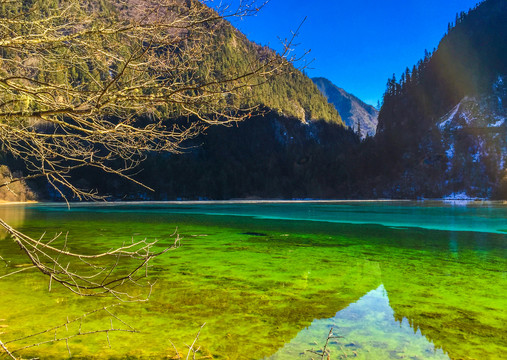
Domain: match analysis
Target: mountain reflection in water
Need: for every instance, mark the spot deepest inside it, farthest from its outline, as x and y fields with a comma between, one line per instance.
x=369, y=330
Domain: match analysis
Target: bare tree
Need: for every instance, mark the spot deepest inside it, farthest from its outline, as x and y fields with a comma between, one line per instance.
x=89, y=85
x=86, y=83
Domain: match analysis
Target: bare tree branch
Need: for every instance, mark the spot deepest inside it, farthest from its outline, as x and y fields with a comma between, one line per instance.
x=60, y=333
x=7, y=351
x=88, y=85
x=92, y=275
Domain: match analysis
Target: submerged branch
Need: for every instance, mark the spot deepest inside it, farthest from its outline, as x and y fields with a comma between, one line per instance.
x=65, y=327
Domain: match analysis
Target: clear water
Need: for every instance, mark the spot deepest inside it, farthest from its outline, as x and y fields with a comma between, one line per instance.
x=396, y=280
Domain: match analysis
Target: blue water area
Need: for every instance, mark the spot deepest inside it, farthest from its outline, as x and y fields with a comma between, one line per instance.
x=436, y=215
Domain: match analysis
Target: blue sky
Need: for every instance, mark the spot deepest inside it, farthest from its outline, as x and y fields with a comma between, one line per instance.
x=356, y=44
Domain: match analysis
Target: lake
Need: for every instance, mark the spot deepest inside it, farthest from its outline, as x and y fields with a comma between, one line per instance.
x=395, y=280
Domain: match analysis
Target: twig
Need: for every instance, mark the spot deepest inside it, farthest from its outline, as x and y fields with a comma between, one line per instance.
x=7, y=351
x=324, y=351
x=191, y=347
x=17, y=271
x=177, y=353
x=68, y=322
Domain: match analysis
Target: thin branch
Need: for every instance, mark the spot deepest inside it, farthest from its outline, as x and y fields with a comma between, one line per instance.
x=191, y=349
x=18, y=271
x=7, y=351
x=91, y=275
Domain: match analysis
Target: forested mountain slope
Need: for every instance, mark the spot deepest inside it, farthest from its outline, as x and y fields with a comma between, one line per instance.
x=290, y=94
x=442, y=129
x=223, y=53
x=264, y=157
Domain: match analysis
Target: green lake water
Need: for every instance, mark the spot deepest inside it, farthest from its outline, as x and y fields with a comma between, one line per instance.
x=397, y=280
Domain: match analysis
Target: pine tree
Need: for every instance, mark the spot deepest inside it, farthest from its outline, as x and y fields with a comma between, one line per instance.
x=408, y=78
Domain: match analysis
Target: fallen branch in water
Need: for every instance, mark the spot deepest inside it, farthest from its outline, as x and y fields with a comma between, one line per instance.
x=7, y=351
x=324, y=351
x=191, y=348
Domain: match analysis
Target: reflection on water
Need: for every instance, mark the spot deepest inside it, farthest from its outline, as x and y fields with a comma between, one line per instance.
x=458, y=299
x=369, y=331
x=14, y=215
x=260, y=284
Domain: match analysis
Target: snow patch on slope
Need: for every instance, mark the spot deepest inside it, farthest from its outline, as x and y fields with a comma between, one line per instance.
x=474, y=142
x=460, y=198
x=449, y=117
x=500, y=122
x=450, y=151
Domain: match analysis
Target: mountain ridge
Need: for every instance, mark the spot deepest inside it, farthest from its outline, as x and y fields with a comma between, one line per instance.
x=289, y=94
x=355, y=113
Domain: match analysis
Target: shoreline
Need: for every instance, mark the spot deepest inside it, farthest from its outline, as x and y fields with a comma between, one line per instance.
x=5, y=202
x=256, y=201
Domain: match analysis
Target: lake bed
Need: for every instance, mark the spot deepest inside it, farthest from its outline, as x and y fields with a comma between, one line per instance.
x=420, y=280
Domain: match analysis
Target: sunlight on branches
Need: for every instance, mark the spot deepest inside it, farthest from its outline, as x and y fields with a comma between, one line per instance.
x=84, y=84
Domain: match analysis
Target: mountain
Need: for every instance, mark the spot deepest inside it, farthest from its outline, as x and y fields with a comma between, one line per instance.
x=279, y=152
x=291, y=93
x=288, y=92
x=442, y=129
x=289, y=99
x=354, y=112
x=474, y=138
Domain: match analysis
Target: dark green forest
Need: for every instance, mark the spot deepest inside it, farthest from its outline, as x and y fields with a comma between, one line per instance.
x=268, y=156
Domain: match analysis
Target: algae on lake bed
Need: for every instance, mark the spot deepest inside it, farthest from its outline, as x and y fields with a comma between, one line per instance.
x=274, y=295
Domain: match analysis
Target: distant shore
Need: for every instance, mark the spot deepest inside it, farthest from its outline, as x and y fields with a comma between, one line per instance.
x=5, y=202
x=258, y=201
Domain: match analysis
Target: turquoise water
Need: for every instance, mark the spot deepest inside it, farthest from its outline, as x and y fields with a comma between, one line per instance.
x=416, y=280
x=452, y=215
